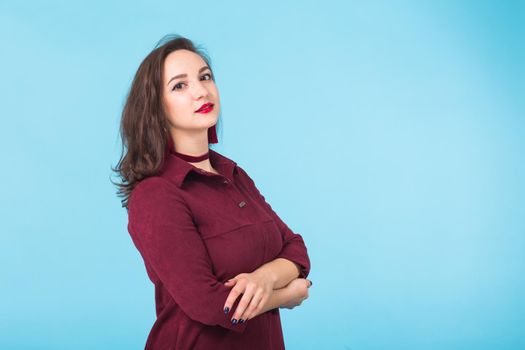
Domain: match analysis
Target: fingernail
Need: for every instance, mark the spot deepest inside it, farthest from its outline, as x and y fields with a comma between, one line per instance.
x=241, y=320
x=234, y=321
x=226, y=310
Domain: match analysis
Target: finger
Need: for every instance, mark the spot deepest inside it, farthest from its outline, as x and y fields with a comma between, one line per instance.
x=230, y=283
x=245, y=301
x=254, y=303
x=259, y=306
x=234, y=294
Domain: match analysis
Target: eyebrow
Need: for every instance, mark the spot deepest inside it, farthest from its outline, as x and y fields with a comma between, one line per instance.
x=185, y=75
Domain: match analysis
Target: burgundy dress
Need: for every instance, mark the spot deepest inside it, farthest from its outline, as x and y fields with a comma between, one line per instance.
x=195, y=230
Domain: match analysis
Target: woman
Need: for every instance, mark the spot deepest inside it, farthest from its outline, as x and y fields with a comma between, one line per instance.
x=221, y=260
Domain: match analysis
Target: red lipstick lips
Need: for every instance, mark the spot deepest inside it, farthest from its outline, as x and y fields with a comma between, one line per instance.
x=205, y=108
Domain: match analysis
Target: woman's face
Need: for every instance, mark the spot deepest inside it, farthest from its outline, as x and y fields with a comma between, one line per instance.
x=188, y=84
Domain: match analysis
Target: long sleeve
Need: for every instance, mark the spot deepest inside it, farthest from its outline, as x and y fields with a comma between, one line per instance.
x=162, y=229
x=294, y=248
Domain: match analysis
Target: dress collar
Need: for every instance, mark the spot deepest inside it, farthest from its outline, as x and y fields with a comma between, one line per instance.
x=176, y=169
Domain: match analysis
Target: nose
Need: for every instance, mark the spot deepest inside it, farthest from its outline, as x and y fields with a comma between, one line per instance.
x=199, y=90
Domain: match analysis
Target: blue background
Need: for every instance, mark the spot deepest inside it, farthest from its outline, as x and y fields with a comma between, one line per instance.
x=389, y=134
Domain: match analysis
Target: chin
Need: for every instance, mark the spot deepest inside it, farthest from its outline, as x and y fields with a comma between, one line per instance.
x=215, y=116
x=211, y=120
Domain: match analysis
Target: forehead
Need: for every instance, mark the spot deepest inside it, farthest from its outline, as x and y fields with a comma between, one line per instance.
x=182, y=61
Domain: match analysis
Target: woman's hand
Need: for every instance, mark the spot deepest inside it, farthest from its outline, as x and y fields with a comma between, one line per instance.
x=256, y=288
x=297, y=292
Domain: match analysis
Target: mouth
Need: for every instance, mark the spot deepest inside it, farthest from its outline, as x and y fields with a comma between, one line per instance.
x=205, y=108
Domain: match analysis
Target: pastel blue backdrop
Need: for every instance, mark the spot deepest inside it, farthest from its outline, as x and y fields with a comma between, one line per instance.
x=390, y=134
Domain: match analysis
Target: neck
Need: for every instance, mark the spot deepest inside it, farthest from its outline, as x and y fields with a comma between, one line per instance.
x=201, y=162
x=186, y=148
x=204, y=165
x=190, y=144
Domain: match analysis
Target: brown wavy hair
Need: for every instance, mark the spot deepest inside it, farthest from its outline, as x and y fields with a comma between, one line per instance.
x=143, y=126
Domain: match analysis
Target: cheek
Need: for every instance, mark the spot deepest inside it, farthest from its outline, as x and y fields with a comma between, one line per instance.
x=215, y=91
x=178, y=108
x=179, y=104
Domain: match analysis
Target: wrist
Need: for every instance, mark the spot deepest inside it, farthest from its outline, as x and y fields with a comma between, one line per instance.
x=277, y=299
x=268, y=273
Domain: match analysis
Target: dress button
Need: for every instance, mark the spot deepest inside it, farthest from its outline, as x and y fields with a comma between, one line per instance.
x=225, y=181
x=242, y=204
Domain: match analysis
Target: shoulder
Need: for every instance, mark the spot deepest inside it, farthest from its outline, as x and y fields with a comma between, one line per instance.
x=225, y=159
x=243, y=174
x=149, y=186
x=152, y=192
x=156, y=201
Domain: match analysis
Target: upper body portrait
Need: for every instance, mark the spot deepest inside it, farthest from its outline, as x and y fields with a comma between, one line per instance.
x=221, y=260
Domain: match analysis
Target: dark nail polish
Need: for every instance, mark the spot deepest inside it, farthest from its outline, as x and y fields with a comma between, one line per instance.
x=241, y=321
x=234, y=321
x=226, y=310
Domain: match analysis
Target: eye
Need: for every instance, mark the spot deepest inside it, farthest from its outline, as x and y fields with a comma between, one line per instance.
x=209, y=75
x=176, y=86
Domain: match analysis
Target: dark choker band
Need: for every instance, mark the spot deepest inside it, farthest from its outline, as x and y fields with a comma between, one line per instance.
x=192, y=159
